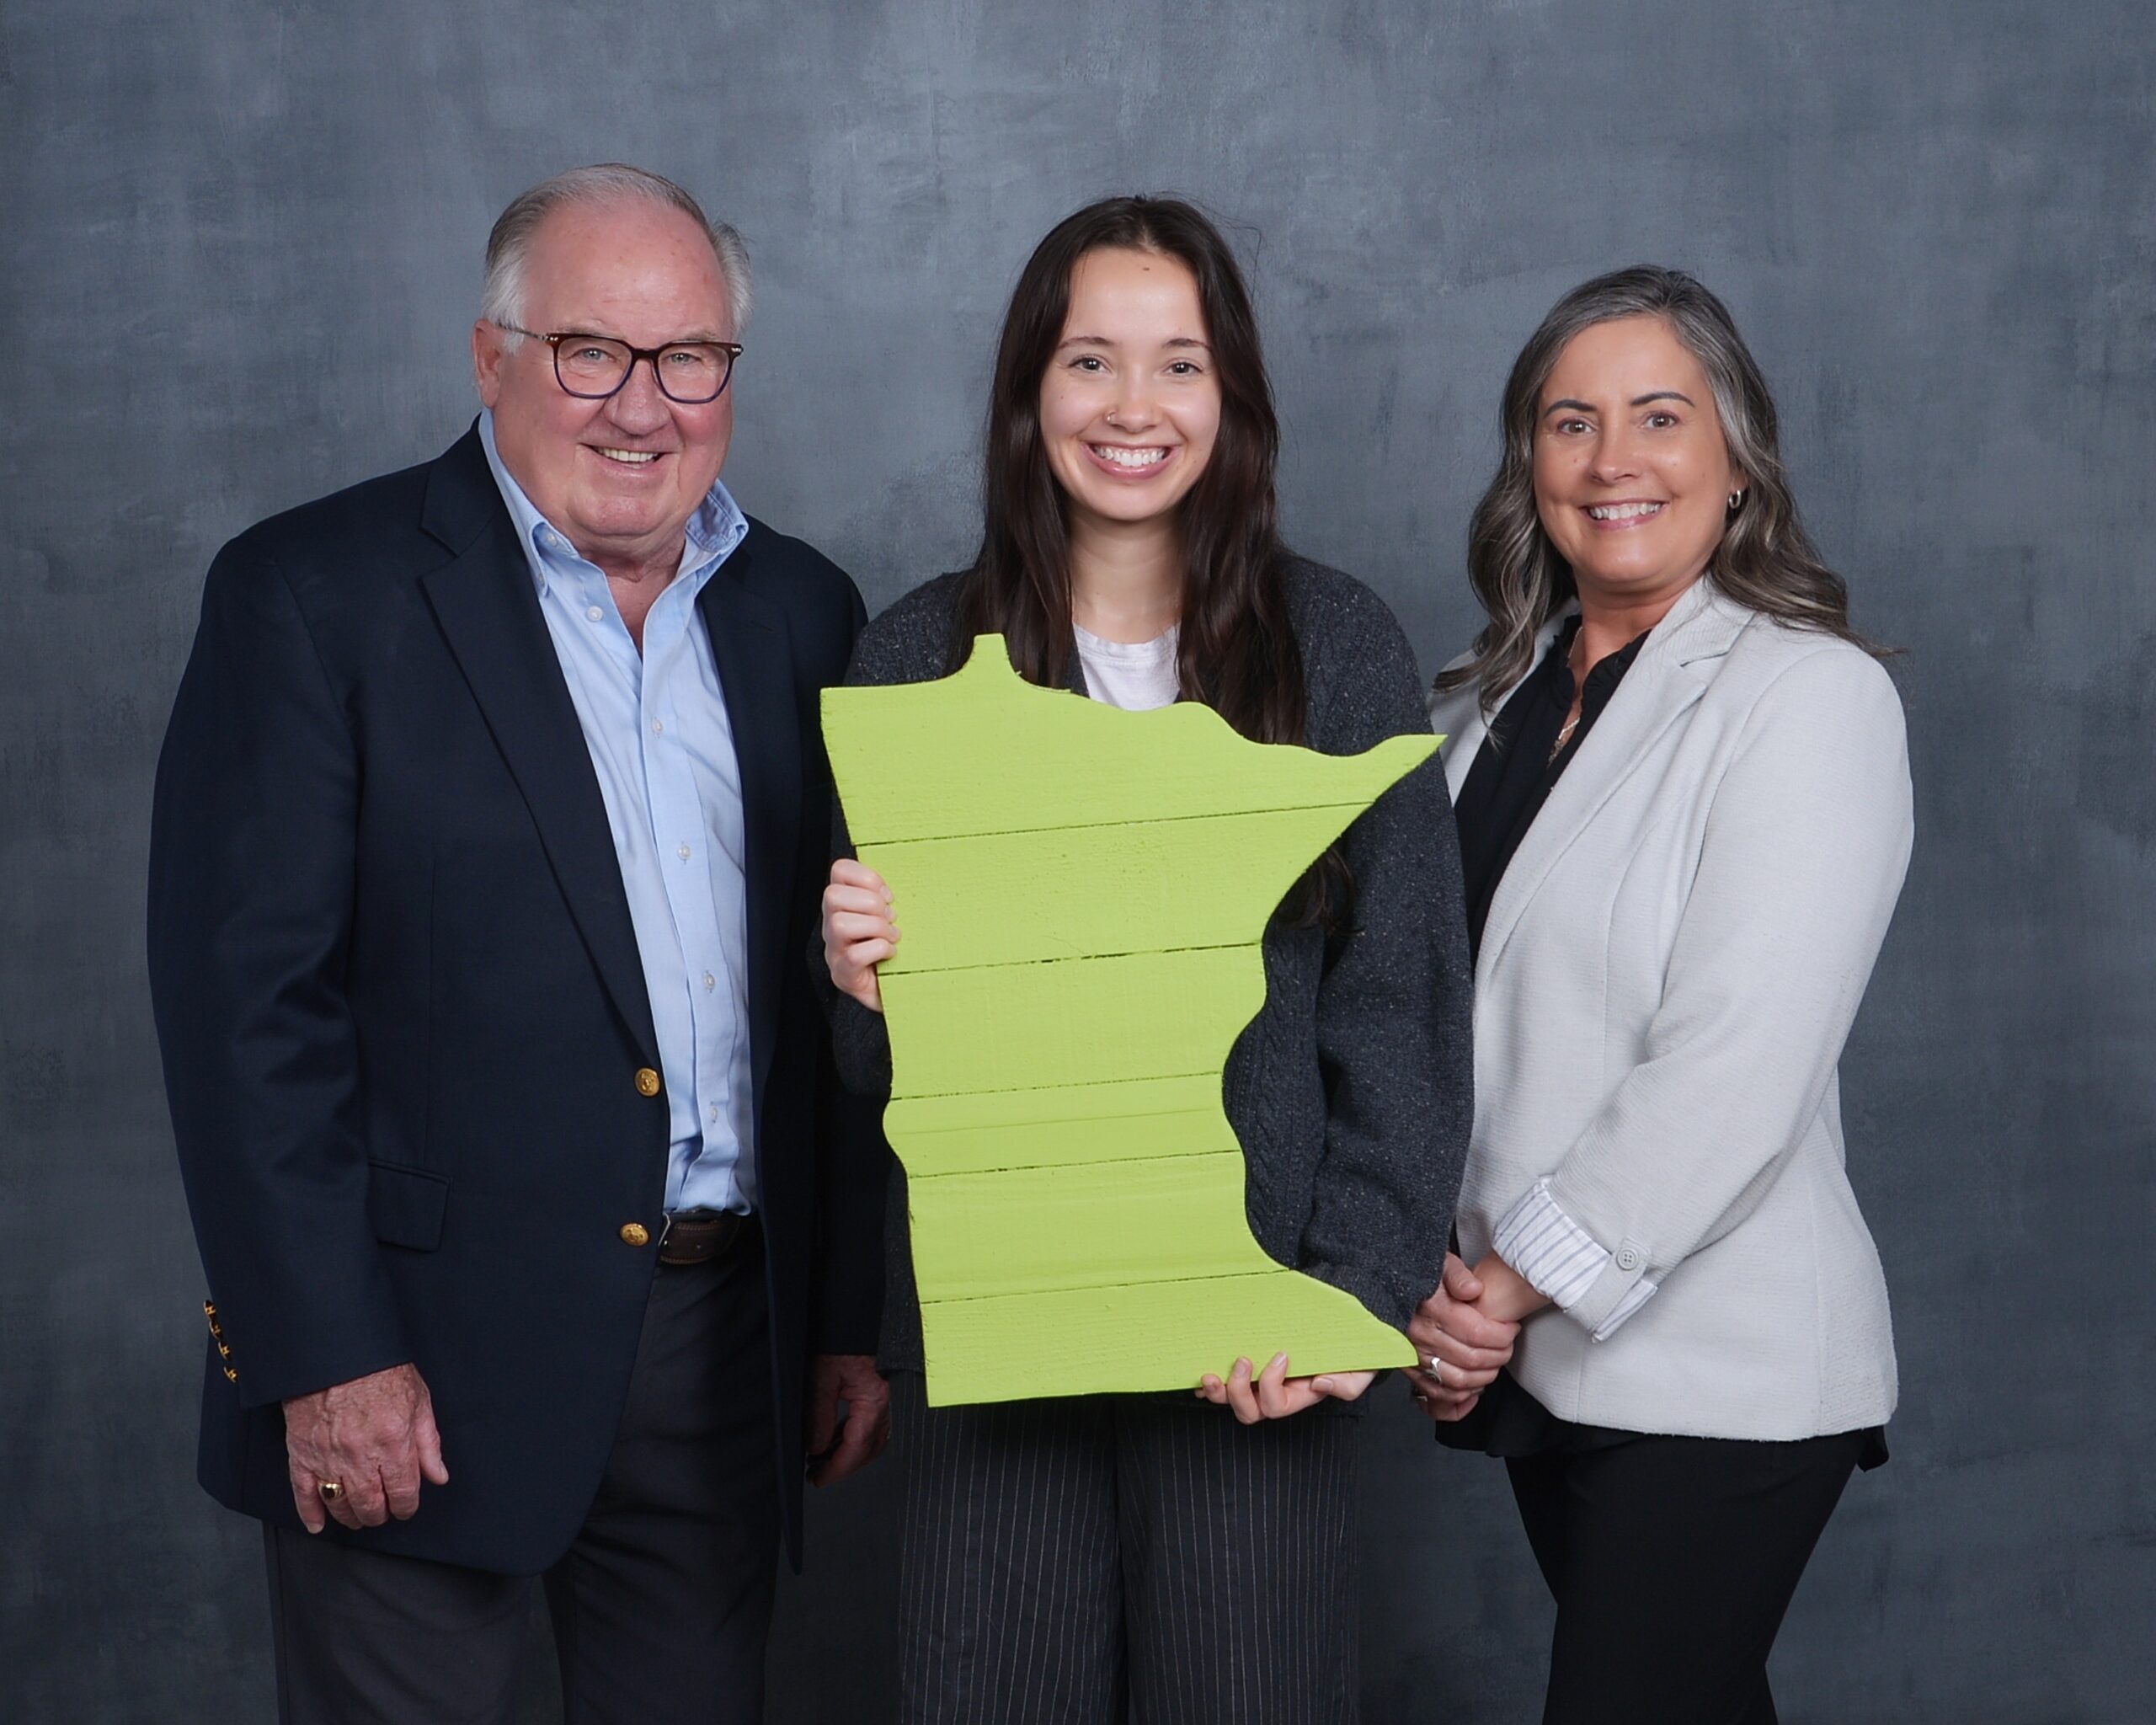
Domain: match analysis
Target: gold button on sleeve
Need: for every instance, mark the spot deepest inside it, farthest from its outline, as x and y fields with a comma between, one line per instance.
x=646, y=1081
x=636, y=1234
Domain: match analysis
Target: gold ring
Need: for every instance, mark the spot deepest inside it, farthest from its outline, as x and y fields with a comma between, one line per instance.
x=330, y=1490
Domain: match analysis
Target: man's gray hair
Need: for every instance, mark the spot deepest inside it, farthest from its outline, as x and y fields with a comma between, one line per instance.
x=509, y=247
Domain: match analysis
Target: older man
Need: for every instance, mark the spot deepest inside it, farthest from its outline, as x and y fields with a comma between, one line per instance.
x=488, y=834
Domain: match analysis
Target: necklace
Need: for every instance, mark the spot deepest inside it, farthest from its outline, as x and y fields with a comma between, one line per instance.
x=1572, y=664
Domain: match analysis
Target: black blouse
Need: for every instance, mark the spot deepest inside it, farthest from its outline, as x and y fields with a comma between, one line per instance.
x=1521, y=762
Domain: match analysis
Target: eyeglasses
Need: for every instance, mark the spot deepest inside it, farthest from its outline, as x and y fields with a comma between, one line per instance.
x=593, y=367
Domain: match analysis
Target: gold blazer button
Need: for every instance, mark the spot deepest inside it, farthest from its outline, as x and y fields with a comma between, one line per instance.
x=646, y=1081
x=636, y=1234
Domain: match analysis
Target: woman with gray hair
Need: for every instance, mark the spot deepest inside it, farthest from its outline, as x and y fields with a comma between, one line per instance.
x=1683, y=806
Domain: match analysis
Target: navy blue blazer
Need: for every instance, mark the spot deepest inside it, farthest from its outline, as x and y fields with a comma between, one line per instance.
x=405, y=1032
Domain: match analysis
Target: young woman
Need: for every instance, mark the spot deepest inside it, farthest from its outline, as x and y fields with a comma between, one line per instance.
x=1684, y=814
x=1190, y=1555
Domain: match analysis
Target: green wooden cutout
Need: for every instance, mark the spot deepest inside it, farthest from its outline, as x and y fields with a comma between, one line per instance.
x=1081, y=893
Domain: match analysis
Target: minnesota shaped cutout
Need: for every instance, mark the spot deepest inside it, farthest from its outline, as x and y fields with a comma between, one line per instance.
x=1083, y=892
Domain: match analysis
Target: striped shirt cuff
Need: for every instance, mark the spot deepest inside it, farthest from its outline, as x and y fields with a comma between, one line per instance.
x=1560, y=1258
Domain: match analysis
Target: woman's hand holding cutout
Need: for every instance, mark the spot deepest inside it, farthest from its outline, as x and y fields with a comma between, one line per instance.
x=1271, y=1394
x=858, y=933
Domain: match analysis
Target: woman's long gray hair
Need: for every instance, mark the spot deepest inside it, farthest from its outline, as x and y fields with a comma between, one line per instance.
x=1764, y=560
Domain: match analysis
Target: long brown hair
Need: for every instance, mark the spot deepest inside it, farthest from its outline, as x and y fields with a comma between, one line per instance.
x=1234, y=651
x=1765, y=560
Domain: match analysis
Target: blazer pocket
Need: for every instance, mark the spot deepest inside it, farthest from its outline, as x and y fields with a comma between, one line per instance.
x=406, y=1205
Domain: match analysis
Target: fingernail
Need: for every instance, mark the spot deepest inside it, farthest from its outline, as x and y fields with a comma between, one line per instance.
x=1276, y=1359
x=1321, y=1384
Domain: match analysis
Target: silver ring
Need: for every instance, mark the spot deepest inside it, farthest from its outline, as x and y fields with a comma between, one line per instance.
x=1435, y=1363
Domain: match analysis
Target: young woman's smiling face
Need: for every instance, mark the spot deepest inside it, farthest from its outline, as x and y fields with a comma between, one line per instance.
x=1632, y=478
x=1129, y=404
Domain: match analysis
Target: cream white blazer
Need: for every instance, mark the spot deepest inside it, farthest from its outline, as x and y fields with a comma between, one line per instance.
x=1670, y=968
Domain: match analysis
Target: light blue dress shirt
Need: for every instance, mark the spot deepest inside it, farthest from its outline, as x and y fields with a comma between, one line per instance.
x=662, y=746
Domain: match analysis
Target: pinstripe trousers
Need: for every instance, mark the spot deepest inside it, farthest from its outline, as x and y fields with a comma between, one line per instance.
x=1103, y=1558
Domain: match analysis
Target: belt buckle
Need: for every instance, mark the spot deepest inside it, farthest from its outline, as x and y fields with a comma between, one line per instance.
x=713, y=1220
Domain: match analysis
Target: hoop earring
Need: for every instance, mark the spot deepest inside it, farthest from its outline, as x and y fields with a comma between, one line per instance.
x=1735, y=499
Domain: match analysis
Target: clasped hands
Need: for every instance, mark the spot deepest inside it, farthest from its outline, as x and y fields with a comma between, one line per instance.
x=1465, y=1332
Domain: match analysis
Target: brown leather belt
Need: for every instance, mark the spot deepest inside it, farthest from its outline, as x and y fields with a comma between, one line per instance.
x=700, y=1236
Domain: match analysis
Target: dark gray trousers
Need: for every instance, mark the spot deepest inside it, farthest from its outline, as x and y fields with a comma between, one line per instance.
x=661, y=1606
x=1111, y=1557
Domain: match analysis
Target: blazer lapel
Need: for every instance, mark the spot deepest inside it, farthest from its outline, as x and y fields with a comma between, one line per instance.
x=1456, y=714
x=1670, y=675
x=488, y=611
x=751, y=645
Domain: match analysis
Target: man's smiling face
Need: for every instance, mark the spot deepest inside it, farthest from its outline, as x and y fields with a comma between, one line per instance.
x=622, y=476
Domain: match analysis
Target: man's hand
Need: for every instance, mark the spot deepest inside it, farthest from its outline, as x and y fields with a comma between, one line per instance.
x=852, y=1379
x=373, y=1436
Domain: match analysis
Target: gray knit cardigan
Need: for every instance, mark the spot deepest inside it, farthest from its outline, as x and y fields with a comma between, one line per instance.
x=1350, y=1090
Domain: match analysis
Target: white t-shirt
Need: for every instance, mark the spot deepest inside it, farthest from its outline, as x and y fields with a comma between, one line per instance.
x=1135, y=675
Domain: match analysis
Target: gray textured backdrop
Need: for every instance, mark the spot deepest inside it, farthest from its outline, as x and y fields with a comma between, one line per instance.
x=240, y=254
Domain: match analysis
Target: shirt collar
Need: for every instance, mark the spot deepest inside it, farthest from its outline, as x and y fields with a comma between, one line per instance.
x=714, y=532
x=1601, y=681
